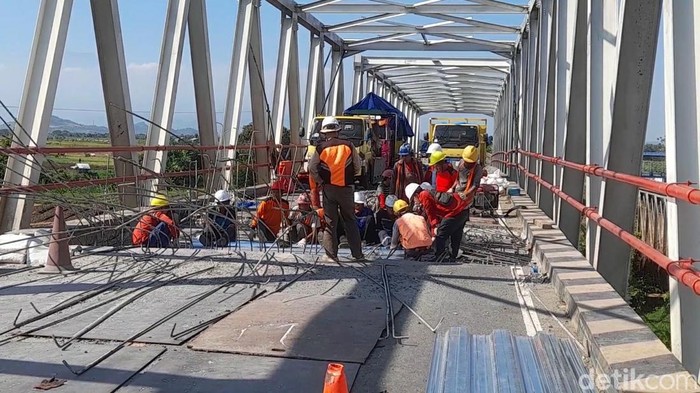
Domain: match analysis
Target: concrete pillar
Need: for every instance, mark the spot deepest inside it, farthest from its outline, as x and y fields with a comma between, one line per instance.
x=602, y=72
x=115, y=88
x=197, y=27
x=682, y=88
x=32, y=124
x=166, y=91
x=637, y=53
x=574, y=133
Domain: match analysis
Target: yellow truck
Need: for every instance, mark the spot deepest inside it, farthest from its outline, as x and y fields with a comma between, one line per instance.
x=359, y=131
x=454, y=134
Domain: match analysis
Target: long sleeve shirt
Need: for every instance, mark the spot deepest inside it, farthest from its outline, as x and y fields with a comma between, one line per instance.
x=271, y=213
x=436, y=211
x=148, y=222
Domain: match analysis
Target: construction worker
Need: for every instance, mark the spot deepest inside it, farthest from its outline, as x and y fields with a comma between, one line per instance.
x=411, y=230
x=365, y=219
x=156, y=228
x=305, y=221
x=333, y=166
x=470, y=172
x=384, y=188
x=446, y=217
x=445, y=174
x=424, y=146
x=429, y=175
x=271, y=214
x=220, y=228
x=407, y=170
x=385, y=220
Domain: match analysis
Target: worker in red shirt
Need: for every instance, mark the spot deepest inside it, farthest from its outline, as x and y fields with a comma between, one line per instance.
x=156, y=227
x=445, y=175
x=407, y=170
x=384, y=187
x=271, y=213
x=446, y=217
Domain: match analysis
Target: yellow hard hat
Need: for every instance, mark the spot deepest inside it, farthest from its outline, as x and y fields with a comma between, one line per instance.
x=400, y=206
x=470, y=154
x=436, y=157
x=159, y=200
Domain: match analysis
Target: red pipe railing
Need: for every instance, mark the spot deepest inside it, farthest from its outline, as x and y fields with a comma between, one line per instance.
x=680, y=191
x=124, y=149
x=681, y=270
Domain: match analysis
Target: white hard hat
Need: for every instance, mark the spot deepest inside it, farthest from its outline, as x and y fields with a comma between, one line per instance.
x=434, y=147
x=390, y=200
x=330, y=124
x=360, y=198
x=426, y=186
x=222, y=196
x=411, y=189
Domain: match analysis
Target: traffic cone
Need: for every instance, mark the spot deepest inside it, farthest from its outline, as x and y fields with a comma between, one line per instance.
x=335, y=379
x=58, y=260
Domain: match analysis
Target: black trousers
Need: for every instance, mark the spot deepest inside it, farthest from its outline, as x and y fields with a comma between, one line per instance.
x=451, y=229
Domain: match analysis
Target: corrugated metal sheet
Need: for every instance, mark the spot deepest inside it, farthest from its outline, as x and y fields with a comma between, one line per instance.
x=501, y=362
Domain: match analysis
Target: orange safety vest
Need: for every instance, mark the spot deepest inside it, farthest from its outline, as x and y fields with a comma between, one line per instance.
x=336, y=162
x=413, y=232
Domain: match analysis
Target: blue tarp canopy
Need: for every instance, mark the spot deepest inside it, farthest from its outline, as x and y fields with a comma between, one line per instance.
x=373, y=104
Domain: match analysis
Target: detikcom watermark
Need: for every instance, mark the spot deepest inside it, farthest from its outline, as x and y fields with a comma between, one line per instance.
x=628, y=379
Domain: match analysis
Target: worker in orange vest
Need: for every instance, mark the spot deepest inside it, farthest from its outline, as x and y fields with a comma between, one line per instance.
x=156, y=227
x=411, y=230
x=271, y=213
x=470, y=173
x=333, y=166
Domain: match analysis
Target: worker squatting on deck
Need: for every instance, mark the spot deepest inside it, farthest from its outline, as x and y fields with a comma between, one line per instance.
x=156, y=227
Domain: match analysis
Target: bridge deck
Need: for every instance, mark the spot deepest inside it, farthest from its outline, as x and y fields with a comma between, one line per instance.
x=481, y=295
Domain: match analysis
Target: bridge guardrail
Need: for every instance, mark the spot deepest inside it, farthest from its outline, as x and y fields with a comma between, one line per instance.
x=681, y=270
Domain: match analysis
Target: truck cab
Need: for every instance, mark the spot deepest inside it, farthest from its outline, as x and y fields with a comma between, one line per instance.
x=454, y=135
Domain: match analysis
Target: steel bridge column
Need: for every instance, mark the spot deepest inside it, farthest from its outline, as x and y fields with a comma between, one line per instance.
x=258, y=100
x=532, y=85
x=203, y=91
x=550, y=107
x=166, y=91
x=38, y=97
x=574, y=133
x=115, y=88
x=682, y=86
x=294, y=91
x=637, y=53
x=322, y=105
x=312, y=82
x=602, y=71
x=371, y=85
x=236, y=84
x=358, y=85
x=543, y=100
x=284, y=56
x=520, y=62
x=337, y=103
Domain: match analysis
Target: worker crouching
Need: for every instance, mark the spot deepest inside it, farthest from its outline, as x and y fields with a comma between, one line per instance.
x=220, y=228
x=156, y=228
x=411, y=231
x=270, y=215
x=306, y=223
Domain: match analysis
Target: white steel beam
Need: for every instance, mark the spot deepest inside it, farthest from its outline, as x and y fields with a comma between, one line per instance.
x=602, y=73
x=576, y=122
x=282, y=79
x=290, y=7
x=371, y=62
x=358, y=85
x=548, y=105
x=312, y=82
x=637, y=53
x=32, y=124
x=294, y=91
x=337, y=86
x=682, y=88
x=341, y=8
x=236, y=84
x=115, y=88
x=442, y=29
x=401, y=45
x=203, y=85
x=166, y=90
x=533, y=84
x=262, y=134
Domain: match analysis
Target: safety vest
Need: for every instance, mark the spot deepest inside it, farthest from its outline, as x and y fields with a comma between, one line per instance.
x=413, y=232
x=336, y=162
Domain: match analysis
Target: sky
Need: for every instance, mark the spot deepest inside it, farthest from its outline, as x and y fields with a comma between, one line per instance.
x=79, y=95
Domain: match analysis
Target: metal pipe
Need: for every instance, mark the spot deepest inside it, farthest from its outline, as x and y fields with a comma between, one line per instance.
x=680, y=191
x=678, y=269
x=127, y=149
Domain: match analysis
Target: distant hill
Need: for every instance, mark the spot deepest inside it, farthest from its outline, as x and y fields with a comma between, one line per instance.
x=61, y=124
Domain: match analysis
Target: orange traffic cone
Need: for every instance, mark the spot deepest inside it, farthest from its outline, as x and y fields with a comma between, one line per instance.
x=335, y=379
x=59, y=254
